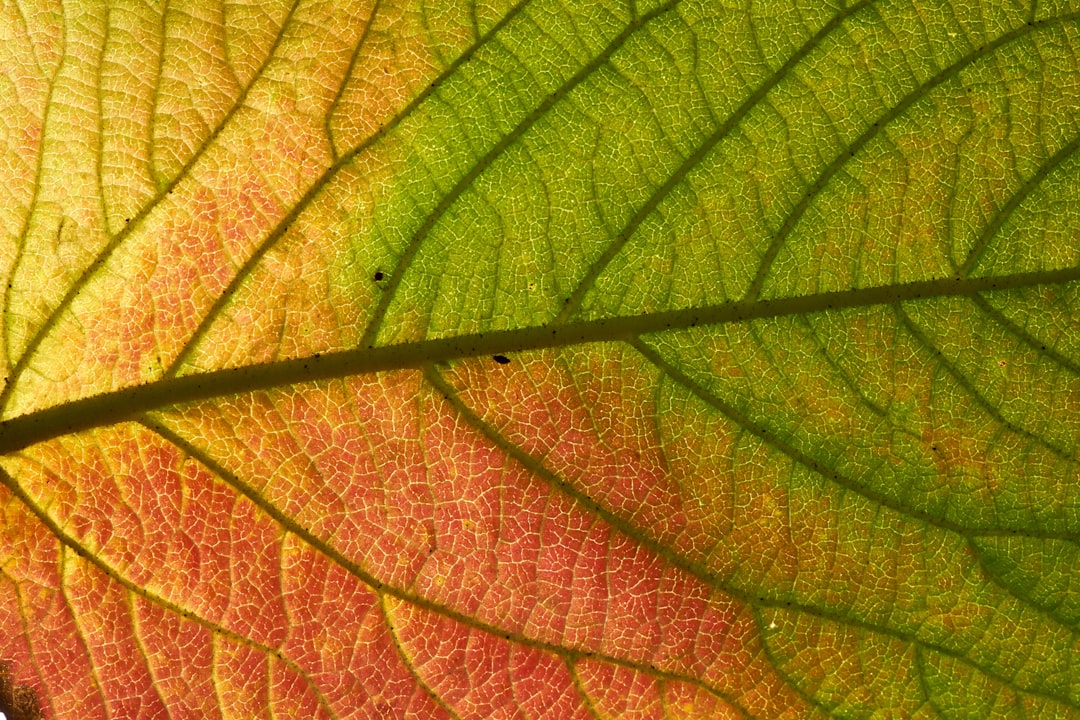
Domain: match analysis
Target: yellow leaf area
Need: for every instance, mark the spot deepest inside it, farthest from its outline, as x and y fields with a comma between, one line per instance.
x=539, y=359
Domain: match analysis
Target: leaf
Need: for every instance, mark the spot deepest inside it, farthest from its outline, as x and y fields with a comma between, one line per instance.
x=538, y=359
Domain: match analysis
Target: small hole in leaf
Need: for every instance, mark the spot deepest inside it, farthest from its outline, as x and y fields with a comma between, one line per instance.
x=501, y=359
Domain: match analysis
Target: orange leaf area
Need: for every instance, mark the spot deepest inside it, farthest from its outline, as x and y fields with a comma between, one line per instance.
x=360, y=541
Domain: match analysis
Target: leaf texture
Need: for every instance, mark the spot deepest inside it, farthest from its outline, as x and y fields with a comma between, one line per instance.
x=540, y=359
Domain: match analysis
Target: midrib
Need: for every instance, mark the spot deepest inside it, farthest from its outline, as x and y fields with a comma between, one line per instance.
x=132, y=402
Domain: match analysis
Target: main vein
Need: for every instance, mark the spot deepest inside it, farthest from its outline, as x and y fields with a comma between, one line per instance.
x=128, y=403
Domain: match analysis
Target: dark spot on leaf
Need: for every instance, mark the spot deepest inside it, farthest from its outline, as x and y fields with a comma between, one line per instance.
x=378, y=275
x=17, y=702
x=501, y=359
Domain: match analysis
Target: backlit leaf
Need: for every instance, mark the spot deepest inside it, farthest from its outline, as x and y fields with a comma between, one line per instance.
x=540, y=359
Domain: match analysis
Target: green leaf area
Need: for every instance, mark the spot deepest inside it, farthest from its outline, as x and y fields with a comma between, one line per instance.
x=549, y=358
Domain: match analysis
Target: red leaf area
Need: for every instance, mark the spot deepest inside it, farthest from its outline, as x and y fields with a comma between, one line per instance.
x=361, y=548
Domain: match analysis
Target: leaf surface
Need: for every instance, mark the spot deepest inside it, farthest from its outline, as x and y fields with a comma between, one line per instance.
x=540, y=359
